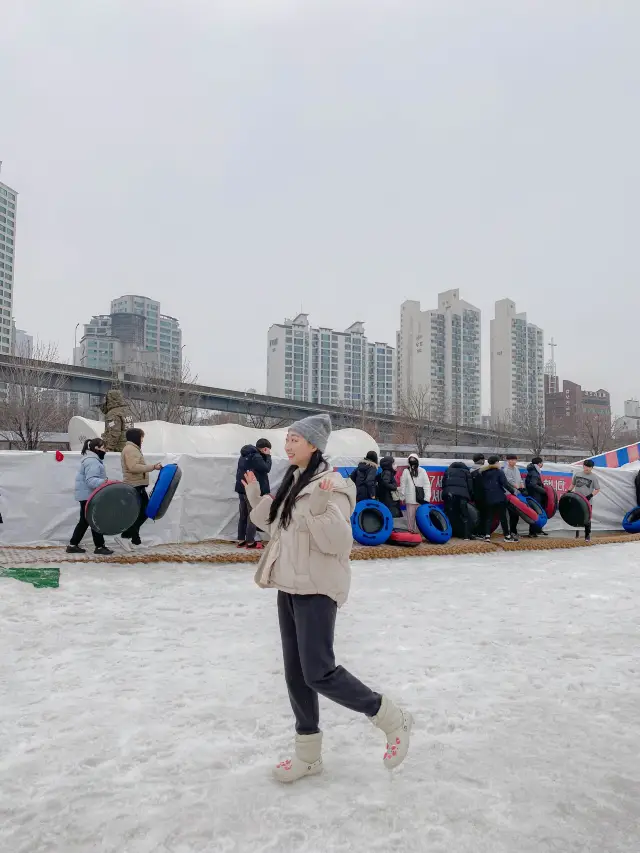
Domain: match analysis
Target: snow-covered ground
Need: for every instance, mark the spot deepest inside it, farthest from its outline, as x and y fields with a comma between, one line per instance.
x=142, y=707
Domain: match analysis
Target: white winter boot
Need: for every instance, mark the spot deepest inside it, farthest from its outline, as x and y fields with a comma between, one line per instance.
x=307, y=760
x=396, y=724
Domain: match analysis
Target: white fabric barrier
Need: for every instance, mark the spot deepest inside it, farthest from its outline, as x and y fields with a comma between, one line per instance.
x=38, y=507
x=163, y=437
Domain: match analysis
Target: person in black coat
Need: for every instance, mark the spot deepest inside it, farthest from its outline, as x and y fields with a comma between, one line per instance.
x=534, y=487
x=364, y=477
x=457, y=489
x=387, y=486
x=495, y=486
x=258, y=460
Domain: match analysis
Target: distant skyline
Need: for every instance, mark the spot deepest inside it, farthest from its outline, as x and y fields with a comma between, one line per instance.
x=237, y=161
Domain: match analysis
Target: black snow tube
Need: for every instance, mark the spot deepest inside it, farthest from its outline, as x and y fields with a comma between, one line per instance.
x=526, y=512
x=551, y=504
x=371, y=523
x=163, y=491
x=574, y=510
x=112, y=508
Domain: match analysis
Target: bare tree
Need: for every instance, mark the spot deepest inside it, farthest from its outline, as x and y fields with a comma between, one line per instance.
x=532, y=427
x=33, y=405
x=599, y=432
x=421, y=418
x=360, y=418
x=167, y=399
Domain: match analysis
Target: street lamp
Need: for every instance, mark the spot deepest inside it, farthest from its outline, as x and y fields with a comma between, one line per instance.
x=75, y=342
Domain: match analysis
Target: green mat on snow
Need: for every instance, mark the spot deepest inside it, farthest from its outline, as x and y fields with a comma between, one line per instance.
x=38, y=577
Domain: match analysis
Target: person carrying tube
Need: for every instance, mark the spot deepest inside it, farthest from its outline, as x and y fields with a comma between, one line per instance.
x=91, y=475
x=534, y=487
x=514, y=477
x=135, y=471
x=587, y=484
x=496, y=486
x=456, y=495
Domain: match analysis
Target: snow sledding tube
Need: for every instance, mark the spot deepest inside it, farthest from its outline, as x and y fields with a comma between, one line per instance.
x=574, y=510
x=551, y=504
x=542, y=515
x=520, y=505
x=371, y=523
x=163, y=491
x=433, y=524
x=631, y=521
x=404, y=538
x=112, y=508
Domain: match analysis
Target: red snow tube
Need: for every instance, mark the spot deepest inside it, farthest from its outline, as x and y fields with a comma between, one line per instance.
x=551, y=504
x=403, y=537
x=574, y=509
x=525, y=512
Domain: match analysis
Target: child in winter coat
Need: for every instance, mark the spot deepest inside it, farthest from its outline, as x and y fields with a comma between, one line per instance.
x=90, y=475
x=415, y=488
x=307, y=561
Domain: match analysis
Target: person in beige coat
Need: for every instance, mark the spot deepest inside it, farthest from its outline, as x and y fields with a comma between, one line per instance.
x=135, y=472
x=307, y=561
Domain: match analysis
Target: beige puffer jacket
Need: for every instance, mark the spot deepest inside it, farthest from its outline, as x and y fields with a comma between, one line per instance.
x=135, y=470
x=311, y=556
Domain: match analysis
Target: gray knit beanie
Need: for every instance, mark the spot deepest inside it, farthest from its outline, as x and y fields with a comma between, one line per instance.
x=316, y=429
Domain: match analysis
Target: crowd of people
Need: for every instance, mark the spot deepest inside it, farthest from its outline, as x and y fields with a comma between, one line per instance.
x=485, y=485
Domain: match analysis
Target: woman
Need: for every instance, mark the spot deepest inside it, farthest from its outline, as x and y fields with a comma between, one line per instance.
x=364, y=477
x=415, y=488
x=91, y=475
x=307, y=561
x=387, y=486
x=135, y=471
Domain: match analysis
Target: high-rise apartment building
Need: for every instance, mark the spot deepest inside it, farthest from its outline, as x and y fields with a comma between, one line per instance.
x=135, y=337
x=439, y=353
x=321, y=365
x=8, y=220
x=517, y=366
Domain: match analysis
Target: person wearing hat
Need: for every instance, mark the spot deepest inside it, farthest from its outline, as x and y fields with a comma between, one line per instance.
x=307, y=561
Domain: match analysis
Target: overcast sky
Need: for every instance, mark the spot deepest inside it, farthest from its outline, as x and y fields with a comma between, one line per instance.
x=241, y=159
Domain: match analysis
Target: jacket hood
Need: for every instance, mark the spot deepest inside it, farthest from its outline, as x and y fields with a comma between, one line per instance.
x=387, y=463
x=459, y=465
x=496, y=467
x=248, y=450
x=367, y=462
x=115, y=400
x=532, y=467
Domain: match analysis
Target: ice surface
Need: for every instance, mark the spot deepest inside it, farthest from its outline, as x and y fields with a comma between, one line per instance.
x=142, y=707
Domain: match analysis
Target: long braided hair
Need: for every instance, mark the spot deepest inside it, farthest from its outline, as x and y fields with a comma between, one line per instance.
x=287, y=494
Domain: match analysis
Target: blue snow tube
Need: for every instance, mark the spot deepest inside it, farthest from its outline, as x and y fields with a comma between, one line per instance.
x=631, y=521
x=433, y=524
x=542, y=515
x=163, y=491
x=371, y=523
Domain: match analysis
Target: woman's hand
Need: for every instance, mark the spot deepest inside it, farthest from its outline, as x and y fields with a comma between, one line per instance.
x=249, y=478
x=157, y=467
x=327, y=485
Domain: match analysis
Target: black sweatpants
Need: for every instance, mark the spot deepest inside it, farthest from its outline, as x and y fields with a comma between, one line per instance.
x=459, y=508
x=81, y=528
x=514, y=518
x=134, y=530
x=307, y=624
x=246, y=527
x=501, y=511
